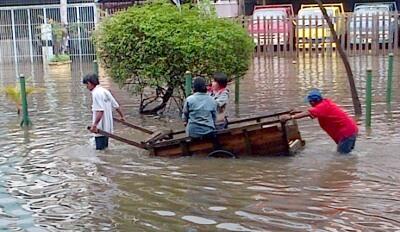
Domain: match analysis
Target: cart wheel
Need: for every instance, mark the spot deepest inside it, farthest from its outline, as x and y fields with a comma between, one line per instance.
x=221, y=154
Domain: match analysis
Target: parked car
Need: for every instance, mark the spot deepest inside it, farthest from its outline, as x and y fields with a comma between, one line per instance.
x=272, y=24
x=373, y=21
x=312, y=27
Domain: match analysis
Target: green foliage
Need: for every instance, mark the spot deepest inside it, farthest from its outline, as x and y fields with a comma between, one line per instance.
x=59, y=33
x=57, y=30
x=155, y=44
x=60, y=58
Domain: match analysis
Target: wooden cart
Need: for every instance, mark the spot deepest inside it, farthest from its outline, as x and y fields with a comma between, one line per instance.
x=258, y=136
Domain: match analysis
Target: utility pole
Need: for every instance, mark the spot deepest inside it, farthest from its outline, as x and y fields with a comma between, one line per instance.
x=354, y=95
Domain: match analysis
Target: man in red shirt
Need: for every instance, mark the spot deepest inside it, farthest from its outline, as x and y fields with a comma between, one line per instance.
x=332, y=119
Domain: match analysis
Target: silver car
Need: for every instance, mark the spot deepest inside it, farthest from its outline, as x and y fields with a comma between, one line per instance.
x=371, y=22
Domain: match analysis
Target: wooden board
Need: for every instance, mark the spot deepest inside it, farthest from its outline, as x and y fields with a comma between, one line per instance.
x=257, y=139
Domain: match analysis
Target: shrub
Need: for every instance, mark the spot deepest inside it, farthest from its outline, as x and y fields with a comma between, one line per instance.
x=155, y=44
x=60, y=58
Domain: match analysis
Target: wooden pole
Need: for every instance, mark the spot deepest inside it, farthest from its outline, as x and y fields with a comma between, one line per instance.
x=147, y=131
x=121, y=139
x=354, y=95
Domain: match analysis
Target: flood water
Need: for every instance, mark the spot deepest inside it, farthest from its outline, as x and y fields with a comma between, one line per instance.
x=51, y=178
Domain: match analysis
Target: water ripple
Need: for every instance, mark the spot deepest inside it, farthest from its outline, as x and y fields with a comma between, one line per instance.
x=51, y=179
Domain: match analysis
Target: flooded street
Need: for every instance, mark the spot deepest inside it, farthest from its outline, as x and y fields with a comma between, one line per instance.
x=51, y=178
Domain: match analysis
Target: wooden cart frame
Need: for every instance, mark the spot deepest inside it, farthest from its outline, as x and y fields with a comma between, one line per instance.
x=260, y=136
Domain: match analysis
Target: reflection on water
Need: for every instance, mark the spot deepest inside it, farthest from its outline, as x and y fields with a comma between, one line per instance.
x=51, y=179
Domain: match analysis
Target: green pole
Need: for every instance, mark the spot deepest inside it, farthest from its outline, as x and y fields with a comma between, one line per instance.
x=368, y=98
x=188, y=83
x=390, y=80
x=96, y=67
x=25, y=118
x=237, y=83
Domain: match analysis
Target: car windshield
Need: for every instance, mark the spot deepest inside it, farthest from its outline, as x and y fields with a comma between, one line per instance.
x=364, y=16
x=269, y=14
x=371, y=10
x=314, y=14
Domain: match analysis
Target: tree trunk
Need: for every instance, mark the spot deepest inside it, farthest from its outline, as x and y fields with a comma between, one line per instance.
x=354, y=95
x=165, y=98
x=64, y=24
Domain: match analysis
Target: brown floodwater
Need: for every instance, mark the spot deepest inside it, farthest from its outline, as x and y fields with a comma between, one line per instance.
x=51, y=179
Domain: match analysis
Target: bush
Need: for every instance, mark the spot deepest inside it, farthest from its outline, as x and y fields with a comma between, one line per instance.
x=155, y=44
x=60, y=58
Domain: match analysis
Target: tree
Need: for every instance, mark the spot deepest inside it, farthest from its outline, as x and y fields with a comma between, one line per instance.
x=59, y=32
x=354, y=95
x=152, y=46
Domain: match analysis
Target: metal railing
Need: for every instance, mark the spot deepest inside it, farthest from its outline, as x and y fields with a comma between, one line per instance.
x=24, y=37
x=358, y=34
x=22, y=32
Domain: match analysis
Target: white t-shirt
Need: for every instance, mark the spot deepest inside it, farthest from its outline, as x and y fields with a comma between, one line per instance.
x=102, y=100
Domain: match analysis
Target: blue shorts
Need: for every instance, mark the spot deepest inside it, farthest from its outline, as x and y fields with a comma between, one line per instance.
x=346, y=145
x=101, y=142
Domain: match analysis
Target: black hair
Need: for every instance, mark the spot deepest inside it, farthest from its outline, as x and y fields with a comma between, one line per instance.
x=91, y=78
x=199, y=85
x=315, y=101
x=221, y=79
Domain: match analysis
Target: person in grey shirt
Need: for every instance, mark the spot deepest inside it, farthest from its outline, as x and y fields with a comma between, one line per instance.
x=199, y=111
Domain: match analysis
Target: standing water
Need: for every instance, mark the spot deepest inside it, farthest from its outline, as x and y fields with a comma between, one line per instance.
x=51, y=178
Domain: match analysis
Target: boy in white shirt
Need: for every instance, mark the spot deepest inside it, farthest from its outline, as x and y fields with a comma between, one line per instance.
x=102, y=104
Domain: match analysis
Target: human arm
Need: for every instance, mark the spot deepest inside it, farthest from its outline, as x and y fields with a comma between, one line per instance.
x=115, y=105
x=121, y=114
x=185, y=112
x=214, y=115
x=99, y=116
x=222, y=99
x=98, y=108
x=299, y=115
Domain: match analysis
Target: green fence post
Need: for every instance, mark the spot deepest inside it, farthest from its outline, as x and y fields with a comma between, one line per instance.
x=368, y=98
x=188, y=83
x=237, y=90
x=25, y=117
x=389, y=80
x=96, y=67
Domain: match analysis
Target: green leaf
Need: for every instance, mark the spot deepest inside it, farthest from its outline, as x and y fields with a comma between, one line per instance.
x=154, y=45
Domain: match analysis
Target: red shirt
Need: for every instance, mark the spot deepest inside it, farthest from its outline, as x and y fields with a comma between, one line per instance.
x=332, y=119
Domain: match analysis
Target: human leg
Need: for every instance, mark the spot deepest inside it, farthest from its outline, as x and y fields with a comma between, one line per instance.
x=101, y=142
x=106, y=142
x=346, y=145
